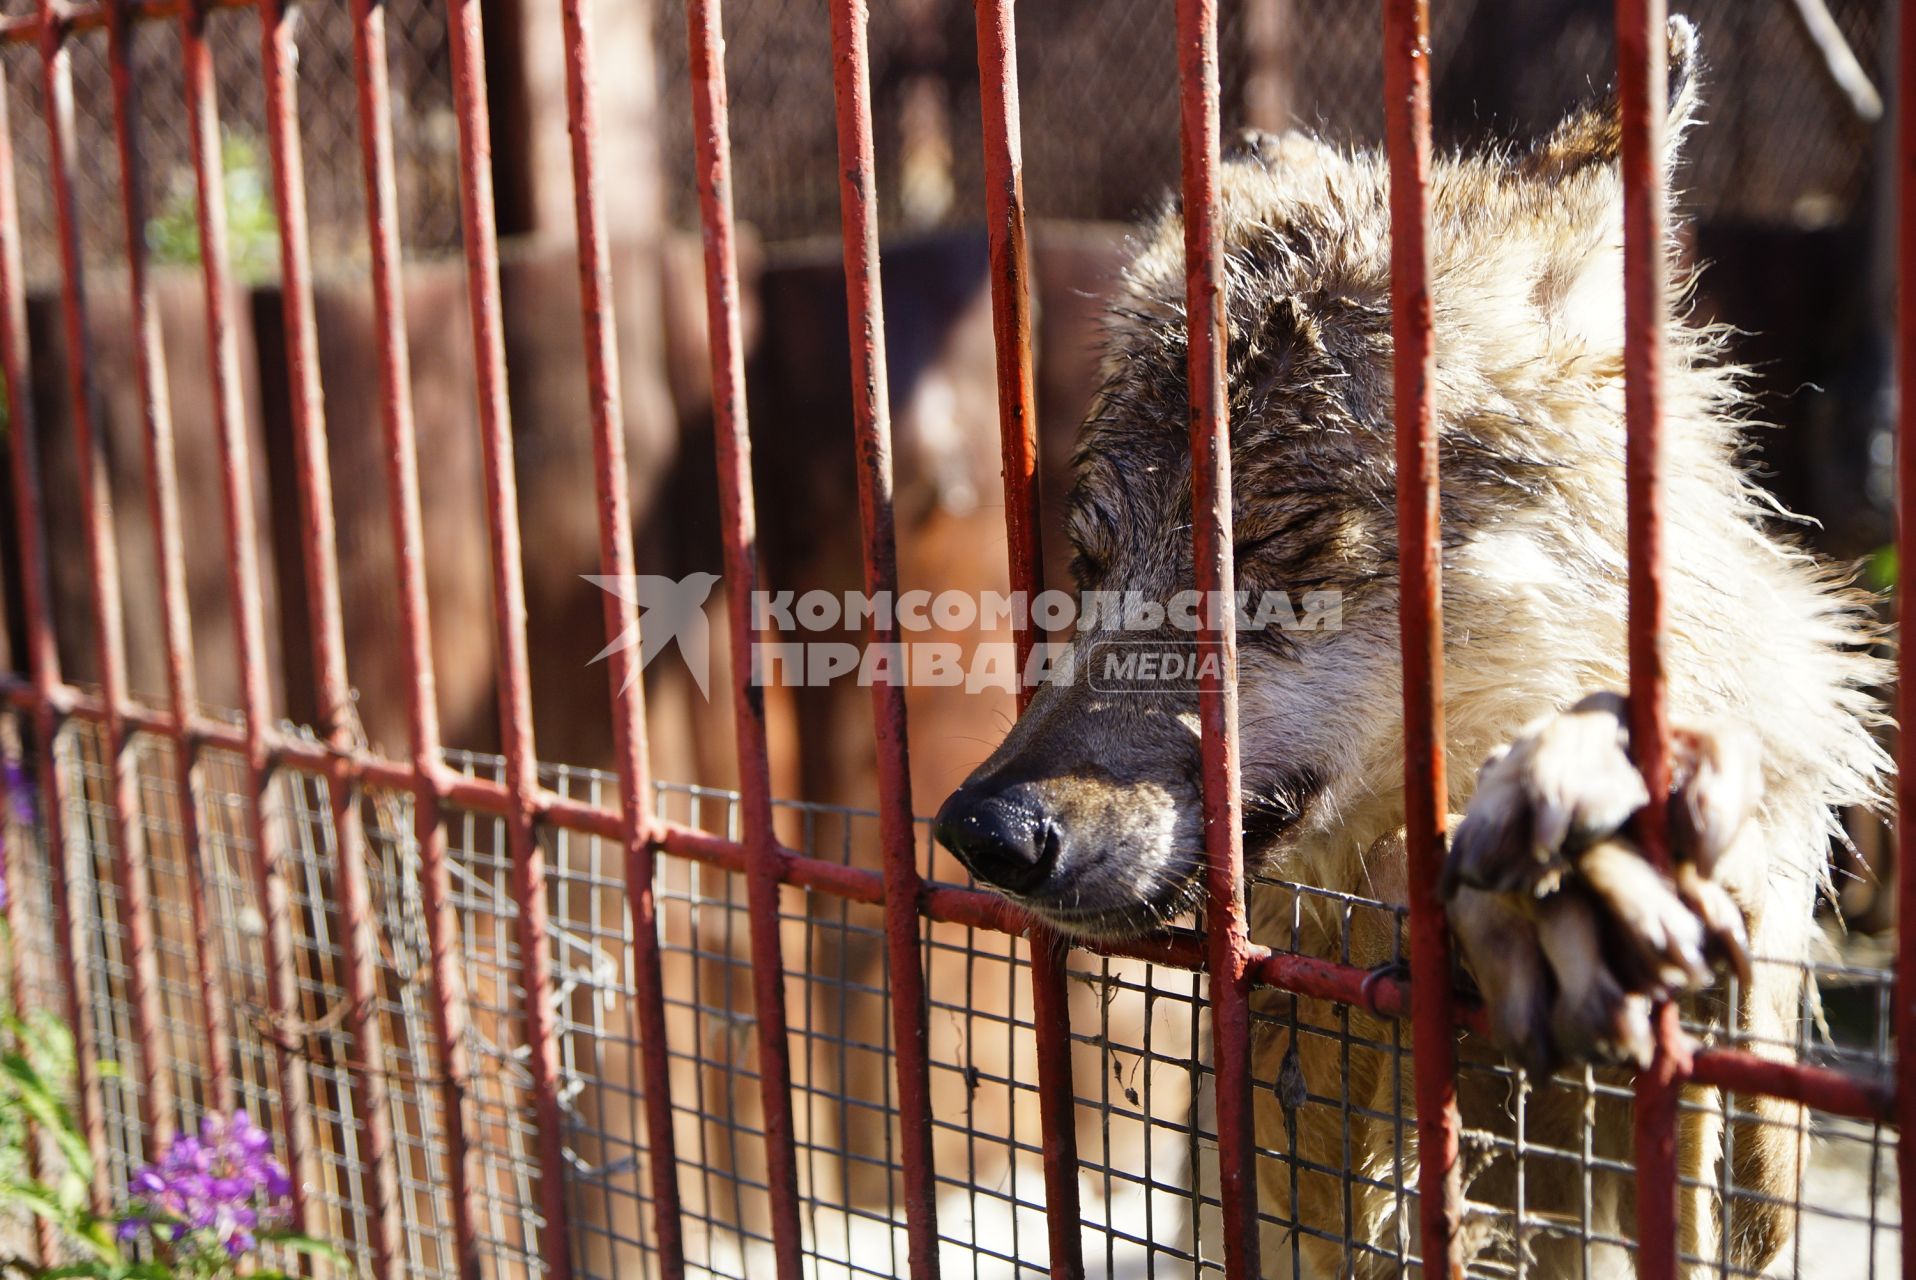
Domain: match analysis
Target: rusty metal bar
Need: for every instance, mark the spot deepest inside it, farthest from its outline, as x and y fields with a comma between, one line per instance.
x=183, y=698
x=871, y=411
x=30, y=28
x=451, y=1024
x=1018, y=447
x=622, y=634
x=1823, y=1088
x=96, y=508
x=163, y=496
x=1227, y=942
x=1642, y=89
x=278, y=55
x=1420, y=578
x=738, y=524
x=43, y=655
x=163, y=499
x=1011, y=302
x=46, y=1239
x=1906, y=620
x=242, y=554
x=359, y=953
x=481, y=243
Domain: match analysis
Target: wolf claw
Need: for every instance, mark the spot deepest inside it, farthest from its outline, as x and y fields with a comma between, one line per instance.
x=1568, y=930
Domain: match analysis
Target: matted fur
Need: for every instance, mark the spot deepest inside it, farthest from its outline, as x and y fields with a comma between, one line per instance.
x=1762, y=641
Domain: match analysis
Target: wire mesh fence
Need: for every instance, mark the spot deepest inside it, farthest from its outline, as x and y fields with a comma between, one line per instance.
x=1784, y=147
x=423, y=131
x=796, y=1100
x=1547, y=1164
x=1100, y=142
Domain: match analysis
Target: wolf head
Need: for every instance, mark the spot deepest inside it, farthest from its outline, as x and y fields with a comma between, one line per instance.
x=1089, y=810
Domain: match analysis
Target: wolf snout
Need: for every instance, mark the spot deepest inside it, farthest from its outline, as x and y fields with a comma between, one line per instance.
x=1007, y=837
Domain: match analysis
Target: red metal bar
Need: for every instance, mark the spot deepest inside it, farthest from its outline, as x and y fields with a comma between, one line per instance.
x=183, y=698
x=1818, y=1088
x=1011, y=303
x=1018, y=446
x=359, y=952
x=1227, y=942
x=250, y=635
x=1906, y=619
x=43, y=655
x=738, y=522
x=46, y=1238
x=480, y=234
x=1420, y=577
x=163, y=498
x=1642, y=88
x=871, y=411
x=622, y=633
x=1822, y=1088
x=96, y=508
x=451, y=1019
x=30, y=28
x=250, y=627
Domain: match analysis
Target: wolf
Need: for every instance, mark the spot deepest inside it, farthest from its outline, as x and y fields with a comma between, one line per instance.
x=1088, y=812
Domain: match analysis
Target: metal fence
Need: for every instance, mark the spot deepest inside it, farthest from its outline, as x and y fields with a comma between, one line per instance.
x=1784, y=148
x=511, y=1019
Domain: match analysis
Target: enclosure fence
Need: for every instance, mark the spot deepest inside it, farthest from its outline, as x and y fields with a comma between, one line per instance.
x=475, y=1038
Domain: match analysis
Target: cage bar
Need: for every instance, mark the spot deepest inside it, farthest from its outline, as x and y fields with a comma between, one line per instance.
x=1642, y=90
x=43, y=656
x=622, y=633
x=337, y=721
x=1010, y=257
x=96, y=509
x=1420, y=579
x=871, y=411
x=1226, y=935
x=1905, y=152
x=481, y=244
x=452, y=1023
x=1010, y=251
x=163, y=499
x=39, y=637
x=1836, y=1091
x=250, y=633
x=738, y=525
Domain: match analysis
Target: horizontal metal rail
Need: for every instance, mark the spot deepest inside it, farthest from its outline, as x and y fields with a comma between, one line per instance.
x=1824, y=1088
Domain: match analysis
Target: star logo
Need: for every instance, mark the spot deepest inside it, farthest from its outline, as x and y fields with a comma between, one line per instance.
x=671, y=610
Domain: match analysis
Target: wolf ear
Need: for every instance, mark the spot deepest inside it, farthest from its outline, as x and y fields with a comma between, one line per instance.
x=1591, y=134
x=1292, y=149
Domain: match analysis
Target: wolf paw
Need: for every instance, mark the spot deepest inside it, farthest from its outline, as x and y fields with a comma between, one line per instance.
x=1569, y=931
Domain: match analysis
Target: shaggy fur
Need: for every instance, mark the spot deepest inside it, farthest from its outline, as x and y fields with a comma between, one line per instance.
x=1766, y=655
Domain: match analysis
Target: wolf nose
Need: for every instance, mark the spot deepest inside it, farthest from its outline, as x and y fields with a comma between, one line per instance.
x=1006, y=838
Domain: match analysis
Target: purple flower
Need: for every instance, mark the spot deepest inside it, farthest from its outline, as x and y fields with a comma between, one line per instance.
x=219, y=1186
x=19, y=789
x=16, y=795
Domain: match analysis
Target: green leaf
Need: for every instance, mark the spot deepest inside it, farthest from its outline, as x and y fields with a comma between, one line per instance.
x=43, y=1106
x=1879, y=569
x=306, y=1244
x=82, y=1230
x=82, y=1269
